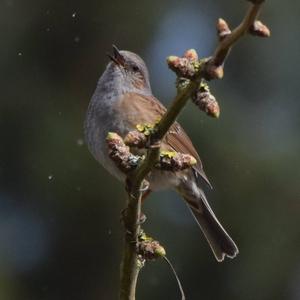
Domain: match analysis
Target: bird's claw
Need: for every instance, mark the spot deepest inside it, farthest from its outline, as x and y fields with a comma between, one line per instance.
x=141, y=220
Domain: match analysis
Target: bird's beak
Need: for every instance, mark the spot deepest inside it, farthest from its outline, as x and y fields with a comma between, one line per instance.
x=116, y=57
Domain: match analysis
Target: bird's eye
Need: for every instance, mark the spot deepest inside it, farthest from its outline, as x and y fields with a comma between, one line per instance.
x=135, y=68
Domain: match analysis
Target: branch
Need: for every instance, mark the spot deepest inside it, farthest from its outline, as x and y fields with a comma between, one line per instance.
x=225, y=45
x=136, y=252
x=193, y=71
x=214, y=66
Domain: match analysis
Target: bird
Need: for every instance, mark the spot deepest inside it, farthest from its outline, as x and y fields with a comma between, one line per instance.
x=123, y=99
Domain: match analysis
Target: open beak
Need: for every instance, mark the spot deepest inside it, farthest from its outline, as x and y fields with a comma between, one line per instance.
x=116, y=57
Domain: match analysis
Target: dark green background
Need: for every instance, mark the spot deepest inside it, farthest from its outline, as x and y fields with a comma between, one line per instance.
x=60, y=235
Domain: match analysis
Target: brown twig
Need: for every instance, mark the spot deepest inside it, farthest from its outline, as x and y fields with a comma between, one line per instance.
x=213, y=68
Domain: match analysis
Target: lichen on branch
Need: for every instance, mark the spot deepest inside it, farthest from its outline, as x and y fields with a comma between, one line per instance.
x=120, y=153
x=175, y=161
x=148, y=248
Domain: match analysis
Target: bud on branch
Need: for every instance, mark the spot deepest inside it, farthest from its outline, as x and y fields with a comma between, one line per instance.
x=259, y=29
x=206, y=101
x=120, y=153
x=187, y=66
x=148, y=248
x=175, y=161
x=136, y=139
x=222, y=29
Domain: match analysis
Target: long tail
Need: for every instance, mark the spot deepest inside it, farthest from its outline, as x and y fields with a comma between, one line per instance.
x=219, y=240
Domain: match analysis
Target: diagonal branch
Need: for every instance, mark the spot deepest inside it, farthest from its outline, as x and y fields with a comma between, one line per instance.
x=211, y=68
x=225, y=45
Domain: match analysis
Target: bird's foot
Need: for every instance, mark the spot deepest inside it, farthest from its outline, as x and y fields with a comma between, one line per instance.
x=123, y=218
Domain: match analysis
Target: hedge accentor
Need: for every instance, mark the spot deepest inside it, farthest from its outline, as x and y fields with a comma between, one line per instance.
x=123, y=99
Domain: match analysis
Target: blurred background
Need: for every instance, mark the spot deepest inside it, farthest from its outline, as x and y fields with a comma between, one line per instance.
x=60, y=234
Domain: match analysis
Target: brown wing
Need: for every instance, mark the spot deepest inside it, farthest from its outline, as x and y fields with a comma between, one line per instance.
x=180, y=142
x=139, y=109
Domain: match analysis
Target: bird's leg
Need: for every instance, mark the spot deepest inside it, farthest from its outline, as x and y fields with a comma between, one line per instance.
x=146, y=192
x=143, y=217
x=145, y=195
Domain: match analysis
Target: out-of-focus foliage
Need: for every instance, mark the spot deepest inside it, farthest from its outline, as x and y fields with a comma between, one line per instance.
x=60, y=235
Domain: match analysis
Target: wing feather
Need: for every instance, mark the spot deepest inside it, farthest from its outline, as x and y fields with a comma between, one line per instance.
x=139, y=109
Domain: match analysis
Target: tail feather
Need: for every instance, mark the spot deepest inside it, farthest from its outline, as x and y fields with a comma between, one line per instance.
x=219, y=240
